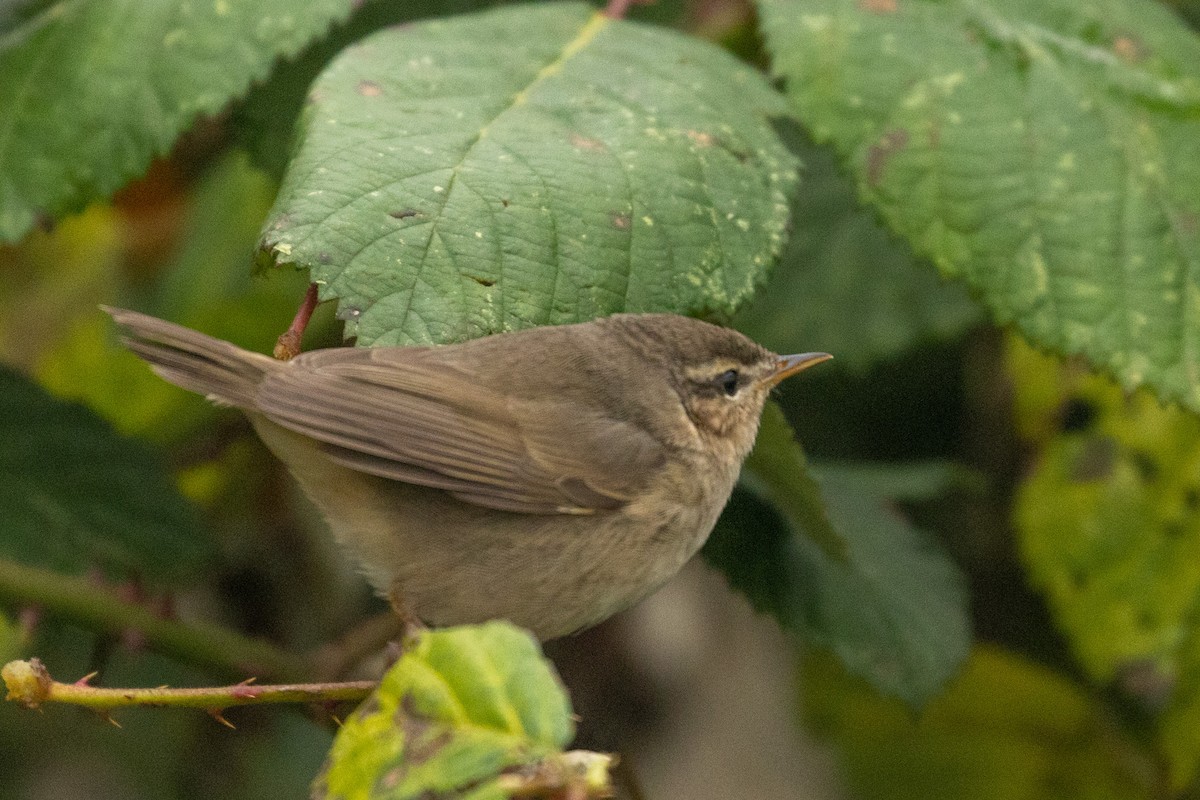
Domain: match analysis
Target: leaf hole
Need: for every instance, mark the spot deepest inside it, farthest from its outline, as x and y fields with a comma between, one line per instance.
x=1078, y=415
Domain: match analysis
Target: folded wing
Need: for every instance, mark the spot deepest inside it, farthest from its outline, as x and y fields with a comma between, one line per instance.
x=406, y=414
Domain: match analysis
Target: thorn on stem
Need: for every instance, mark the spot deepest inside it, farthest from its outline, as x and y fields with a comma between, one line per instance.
x=216, y=714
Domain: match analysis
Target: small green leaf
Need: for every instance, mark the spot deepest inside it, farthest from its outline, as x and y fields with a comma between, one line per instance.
x=846, y=285
x=92, y=91
x=74, y=495
x=1046, y=151
x=1006, y=729
x=461, y=707
x=844, y=570
x=533, y=165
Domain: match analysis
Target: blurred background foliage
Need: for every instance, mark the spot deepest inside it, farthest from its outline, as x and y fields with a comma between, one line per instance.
x=1071, y=504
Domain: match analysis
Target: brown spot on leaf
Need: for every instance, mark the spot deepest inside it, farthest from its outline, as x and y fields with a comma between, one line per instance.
x=482, y=281
x=403, y=213
x=1146, y=681
x=879, y=6
x=881, y=152
x=504, y=201
x=1191, y=499
x=369, y=89
x=1095, y=461
x=701, y=138
x=621, y=222
x=1146, y=465
x=424, y=744
x=1130, y=48
x=587, y=143
x=1187, y=222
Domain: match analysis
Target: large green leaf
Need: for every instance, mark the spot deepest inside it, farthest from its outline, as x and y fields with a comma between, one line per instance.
x=846, y=285
x=1109, y=520
x=533, y=165
x=461, y=707
x=1047, y=151
x=74, y=495
x=263, y=121
x=845, y=570
x=92, y=90
x=1006, y=729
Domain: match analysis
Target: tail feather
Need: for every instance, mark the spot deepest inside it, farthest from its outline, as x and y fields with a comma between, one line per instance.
x=219, y=370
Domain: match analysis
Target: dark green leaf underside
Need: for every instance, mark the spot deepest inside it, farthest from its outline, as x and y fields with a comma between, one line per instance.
x=845, y=285
x=886, y=600
x=74, y=495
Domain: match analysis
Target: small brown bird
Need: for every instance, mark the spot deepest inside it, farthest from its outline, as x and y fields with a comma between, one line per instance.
x=550, y=476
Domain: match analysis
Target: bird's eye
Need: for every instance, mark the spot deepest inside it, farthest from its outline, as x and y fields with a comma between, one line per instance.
x=728, y=382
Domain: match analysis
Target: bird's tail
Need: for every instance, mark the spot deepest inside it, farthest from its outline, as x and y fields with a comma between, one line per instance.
x=219, y=370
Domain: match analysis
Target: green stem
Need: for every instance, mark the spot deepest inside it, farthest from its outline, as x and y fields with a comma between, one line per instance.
x=211, y=646
x=30, y=684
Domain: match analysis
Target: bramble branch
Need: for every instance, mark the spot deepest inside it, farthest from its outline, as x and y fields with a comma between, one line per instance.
x=29, y=683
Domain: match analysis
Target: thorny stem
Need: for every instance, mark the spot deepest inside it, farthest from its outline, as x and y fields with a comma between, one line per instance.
x=288, y=344
x=30, y=684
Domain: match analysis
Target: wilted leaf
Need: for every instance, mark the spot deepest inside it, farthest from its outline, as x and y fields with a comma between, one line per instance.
x=1005, y=729
x=845, y=570
x=74, y=495
x=1109, y=520
x=533, y=165
x=461, y=707
x=1047, y=151
x=92, y=91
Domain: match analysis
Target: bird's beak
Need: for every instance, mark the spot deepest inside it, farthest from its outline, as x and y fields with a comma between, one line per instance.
x=787, y=366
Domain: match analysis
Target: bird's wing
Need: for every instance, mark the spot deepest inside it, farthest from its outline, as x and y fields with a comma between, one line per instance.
x=407, y=415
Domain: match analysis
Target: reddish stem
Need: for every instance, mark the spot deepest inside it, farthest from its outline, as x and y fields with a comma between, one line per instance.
x=288, y=345
x=616, y=8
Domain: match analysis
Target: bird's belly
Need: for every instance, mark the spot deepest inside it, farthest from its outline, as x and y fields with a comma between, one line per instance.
x=452, y=563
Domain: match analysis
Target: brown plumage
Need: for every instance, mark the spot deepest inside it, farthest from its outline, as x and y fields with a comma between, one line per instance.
x=551, y=476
